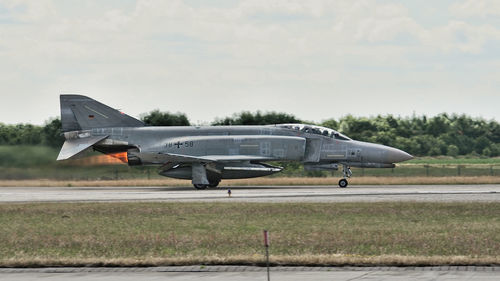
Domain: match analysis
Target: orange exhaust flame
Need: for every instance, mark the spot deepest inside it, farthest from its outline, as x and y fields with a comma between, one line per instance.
x=105, y=159
x=122, y=156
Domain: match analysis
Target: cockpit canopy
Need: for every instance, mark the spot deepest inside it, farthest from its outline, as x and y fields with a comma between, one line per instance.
x=318, y=130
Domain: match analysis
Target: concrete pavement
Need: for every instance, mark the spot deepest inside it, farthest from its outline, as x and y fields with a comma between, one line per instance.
x=243, y=273
x=427, y=193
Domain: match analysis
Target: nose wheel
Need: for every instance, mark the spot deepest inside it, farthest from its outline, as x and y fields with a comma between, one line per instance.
x=343, y=183
x=346, y=173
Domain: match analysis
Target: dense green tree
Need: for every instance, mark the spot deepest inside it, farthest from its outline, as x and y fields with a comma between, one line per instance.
x=158, y=118
x=52, y=133
x=452, y=150
x=486, y=152
x=440, y=135
x=493, y=131
x=438, y=125
x=27, y=134
x=481, y=143
x=427, y=136
x=258, y=118
x=20, y=134
x=331, y=123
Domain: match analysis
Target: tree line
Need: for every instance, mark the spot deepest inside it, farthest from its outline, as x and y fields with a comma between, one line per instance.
x=443, y=134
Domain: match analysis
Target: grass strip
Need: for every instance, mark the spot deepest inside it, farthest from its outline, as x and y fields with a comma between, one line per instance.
x=461, y=160
x=265, y=181
x=153, y=234
x=257, y=260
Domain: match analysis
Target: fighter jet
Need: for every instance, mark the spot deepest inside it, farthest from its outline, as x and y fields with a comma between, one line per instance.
x=207, y=154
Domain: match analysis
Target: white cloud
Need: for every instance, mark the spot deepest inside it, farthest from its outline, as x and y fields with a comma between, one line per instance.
x=320, y=27
x=257, y=50
x=367, y=21
x=460, y=36
x=30, y=11
x=476, y=8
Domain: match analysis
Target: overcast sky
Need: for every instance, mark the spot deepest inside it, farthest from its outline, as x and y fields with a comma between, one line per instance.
x=208, y=59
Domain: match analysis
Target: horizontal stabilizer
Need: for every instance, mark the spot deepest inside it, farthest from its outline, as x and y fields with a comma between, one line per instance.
x=73, y=147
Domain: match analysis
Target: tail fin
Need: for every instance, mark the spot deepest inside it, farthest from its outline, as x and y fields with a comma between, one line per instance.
x=83, y=113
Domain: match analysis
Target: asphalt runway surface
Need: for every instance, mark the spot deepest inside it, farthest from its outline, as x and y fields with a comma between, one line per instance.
x=244, y=273
x=366, y=193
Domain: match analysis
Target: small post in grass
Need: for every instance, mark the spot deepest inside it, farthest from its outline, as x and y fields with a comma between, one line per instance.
x=266, y=244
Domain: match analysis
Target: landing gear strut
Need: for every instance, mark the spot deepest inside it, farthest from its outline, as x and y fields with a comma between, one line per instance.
x=346, y=173
x=199, y=176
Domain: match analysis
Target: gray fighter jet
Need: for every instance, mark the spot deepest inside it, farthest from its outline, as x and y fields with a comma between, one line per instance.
x=208, y=154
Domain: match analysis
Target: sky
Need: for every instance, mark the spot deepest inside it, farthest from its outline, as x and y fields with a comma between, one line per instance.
x=316, y=59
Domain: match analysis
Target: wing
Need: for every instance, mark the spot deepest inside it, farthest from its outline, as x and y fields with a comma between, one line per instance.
x=235, y=165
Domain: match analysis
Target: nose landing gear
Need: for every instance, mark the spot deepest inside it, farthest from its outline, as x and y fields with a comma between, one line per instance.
x=346, y=173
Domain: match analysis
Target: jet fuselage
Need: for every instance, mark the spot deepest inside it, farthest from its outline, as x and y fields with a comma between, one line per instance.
x=207, y=154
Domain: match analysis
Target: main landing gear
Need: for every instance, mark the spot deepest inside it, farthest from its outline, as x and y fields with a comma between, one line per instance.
x=346, y=173
x=211, y=184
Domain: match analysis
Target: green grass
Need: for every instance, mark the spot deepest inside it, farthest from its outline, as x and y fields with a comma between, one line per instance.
x=199, y=231
x=445, y=160
x=27, y=155
x=429, y=171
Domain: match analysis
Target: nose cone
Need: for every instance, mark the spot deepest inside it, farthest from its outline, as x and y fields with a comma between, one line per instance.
x=395, y=155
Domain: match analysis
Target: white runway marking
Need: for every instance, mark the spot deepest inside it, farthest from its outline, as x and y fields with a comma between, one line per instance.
x=438, y=193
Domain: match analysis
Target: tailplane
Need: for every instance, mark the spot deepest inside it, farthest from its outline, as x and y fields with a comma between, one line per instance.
x=83, y=113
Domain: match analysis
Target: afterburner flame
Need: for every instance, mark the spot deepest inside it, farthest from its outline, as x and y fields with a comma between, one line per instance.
x=122, y=156
x=105, y=159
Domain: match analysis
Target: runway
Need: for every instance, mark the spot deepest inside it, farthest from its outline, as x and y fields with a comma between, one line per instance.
x=244, y=273
x=366, y=193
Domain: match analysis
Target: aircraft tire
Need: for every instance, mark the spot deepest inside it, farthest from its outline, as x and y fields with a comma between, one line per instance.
x=213, y=184
x=200, y=186
x=343, y=183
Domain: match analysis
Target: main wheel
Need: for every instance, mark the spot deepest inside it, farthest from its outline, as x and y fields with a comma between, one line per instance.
x=214, y=184
x=200, y=186
x=343, y=183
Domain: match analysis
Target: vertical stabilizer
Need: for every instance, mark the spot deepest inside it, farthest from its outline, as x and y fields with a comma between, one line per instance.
x=83, y=113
